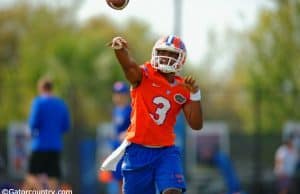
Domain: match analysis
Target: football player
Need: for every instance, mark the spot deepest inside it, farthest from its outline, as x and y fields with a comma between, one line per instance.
x=121, y=120
x=151, y=159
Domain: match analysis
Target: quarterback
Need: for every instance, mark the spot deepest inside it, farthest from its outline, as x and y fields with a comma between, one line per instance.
x=158, y=93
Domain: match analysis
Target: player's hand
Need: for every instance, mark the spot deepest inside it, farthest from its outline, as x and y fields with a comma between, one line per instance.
x=190, y=84
x=118, y=43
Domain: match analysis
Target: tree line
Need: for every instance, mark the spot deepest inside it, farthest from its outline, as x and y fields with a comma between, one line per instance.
x=41, y=40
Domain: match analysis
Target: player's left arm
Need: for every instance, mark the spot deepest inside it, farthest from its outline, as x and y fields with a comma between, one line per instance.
x=192, y=110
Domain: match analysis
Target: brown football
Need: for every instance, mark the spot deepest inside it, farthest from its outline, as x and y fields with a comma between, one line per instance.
x=117, y=4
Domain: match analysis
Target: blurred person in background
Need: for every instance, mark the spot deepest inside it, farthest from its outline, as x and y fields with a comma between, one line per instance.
x=121, y=121
x=49, y=119
x=286, y=158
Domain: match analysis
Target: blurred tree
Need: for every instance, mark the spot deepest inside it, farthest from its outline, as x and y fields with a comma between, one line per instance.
x=43, y=40
x=267, y=65
x=220, y=91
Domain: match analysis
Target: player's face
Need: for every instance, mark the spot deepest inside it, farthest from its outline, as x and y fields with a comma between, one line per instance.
x=167, y=57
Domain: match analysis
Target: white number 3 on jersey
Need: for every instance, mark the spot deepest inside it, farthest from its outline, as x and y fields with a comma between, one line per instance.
x=162, y=107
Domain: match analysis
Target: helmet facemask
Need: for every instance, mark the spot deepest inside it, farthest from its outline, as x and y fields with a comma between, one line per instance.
x=167, y=64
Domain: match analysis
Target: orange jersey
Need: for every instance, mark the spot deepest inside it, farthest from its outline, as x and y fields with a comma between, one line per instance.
x=155, y=106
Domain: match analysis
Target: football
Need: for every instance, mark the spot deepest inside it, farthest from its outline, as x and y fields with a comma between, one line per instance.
x=117, y=4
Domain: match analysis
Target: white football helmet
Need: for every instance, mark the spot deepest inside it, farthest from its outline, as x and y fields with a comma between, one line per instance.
x=173, y=44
